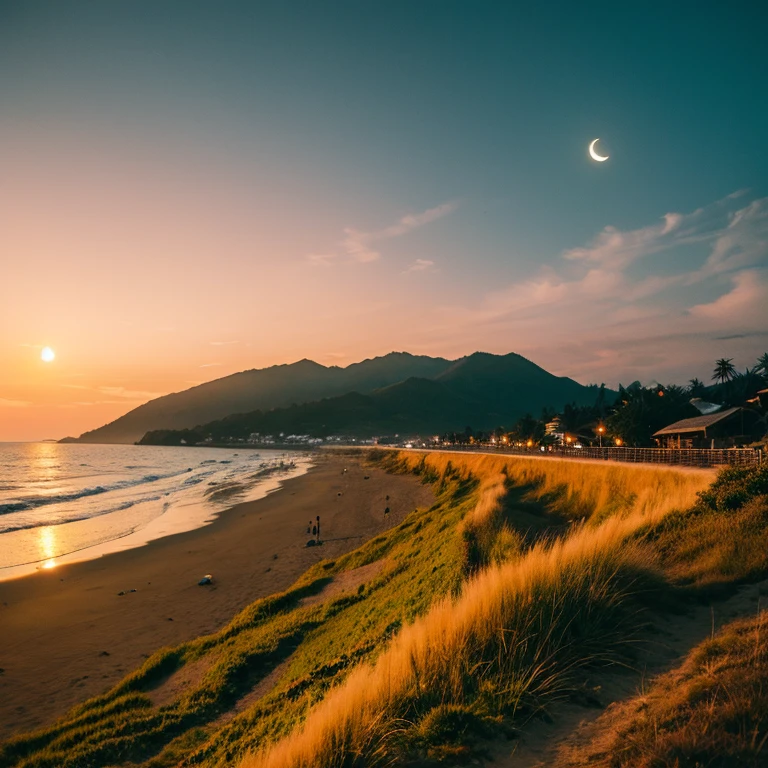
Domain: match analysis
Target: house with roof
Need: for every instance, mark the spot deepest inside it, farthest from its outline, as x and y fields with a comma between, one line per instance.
x=727, y=428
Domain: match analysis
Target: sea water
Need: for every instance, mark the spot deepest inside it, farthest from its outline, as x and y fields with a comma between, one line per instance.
x=65, y=502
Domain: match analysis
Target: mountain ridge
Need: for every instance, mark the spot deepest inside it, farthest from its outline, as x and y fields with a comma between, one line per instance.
x=477, y=389
x=260, y=388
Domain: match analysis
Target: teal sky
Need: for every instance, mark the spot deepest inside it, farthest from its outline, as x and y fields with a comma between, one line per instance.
x=194, y=188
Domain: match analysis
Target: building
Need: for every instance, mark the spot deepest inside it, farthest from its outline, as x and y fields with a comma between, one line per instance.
x=554, y=431
x=724, y=429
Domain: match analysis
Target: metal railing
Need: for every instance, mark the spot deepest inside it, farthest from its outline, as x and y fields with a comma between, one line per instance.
x=689, y=457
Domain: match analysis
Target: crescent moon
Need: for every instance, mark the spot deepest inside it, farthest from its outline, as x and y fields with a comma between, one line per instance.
x=594, y=155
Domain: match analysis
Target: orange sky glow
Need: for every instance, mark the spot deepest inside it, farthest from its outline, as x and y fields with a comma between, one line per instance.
x=193, y=192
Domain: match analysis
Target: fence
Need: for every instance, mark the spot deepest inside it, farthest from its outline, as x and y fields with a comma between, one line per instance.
x=689, y=457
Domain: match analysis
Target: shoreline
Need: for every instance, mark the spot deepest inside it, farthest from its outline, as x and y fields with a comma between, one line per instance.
x=70, y=635
x=179, y=519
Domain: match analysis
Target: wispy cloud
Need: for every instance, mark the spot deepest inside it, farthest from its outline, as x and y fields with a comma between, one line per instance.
x=88, y=403
x=123, y=392
x=615, y=307
x=222, y=343
x=420, y=265
x=737, y=239
x=210, y=365
x=5, y=403
x=732, y=336
x=360, y=246
x=743, y=243
x=129, y=394
x=321, y=259
x=748, y=294
x=616, y=249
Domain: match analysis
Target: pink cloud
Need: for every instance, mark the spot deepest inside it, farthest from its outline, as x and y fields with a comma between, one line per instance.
x=746, y=301
x=420, y=265
x=358, y=245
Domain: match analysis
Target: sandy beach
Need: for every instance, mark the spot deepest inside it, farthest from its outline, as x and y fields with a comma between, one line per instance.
x=67, y=634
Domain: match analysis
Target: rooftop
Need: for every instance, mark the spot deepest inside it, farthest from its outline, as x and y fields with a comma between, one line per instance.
x=697, y=423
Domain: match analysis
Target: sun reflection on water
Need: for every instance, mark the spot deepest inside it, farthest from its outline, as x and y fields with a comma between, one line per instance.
x=44, y=462
x=48, y=546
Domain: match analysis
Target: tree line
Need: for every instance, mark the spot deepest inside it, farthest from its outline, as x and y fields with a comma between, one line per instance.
x=636, y=414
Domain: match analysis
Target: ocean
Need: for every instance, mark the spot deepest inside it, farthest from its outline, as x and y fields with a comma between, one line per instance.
x=66, y=502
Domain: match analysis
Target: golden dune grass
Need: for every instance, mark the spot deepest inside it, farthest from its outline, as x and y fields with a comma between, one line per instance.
x=511, y=622
x=628, y=489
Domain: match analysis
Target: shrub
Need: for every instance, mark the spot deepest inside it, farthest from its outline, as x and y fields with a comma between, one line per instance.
x=734, y=487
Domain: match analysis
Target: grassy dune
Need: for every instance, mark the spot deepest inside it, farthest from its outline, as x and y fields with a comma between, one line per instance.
x=710, y=711
x=472, y=616
x=507, y=643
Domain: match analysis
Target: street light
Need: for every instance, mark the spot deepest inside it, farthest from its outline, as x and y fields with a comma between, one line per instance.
x=618, y=441
x=600, y=431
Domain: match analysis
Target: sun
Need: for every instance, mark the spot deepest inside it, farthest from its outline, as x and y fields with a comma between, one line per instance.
x=47, y=355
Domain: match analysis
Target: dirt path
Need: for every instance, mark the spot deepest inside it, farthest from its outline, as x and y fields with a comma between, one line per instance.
x=558, y=741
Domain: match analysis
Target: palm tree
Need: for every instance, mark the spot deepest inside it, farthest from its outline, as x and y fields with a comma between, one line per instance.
x=696, y=388
x=724, y=370
x=762, y=365
x=745, y=386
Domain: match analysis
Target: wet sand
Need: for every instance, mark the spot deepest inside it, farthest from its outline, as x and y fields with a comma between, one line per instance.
x=67, y=635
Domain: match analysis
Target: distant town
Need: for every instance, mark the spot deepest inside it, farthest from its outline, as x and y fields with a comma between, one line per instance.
x=730, y=414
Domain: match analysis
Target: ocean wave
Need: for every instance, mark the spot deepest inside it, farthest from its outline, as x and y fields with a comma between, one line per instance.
x=195, y=479
x=14, y=507
x=74, y=518
x=225, y=491
x=217, y=483
x=33, y=502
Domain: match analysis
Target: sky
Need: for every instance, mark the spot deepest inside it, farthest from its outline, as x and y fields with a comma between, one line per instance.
x=190, y=189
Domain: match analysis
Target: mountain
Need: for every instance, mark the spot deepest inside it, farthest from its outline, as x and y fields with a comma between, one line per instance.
x=482, y=391
x=415, y=405
x=263, y=389
x=394, y=393
x=511, y=384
